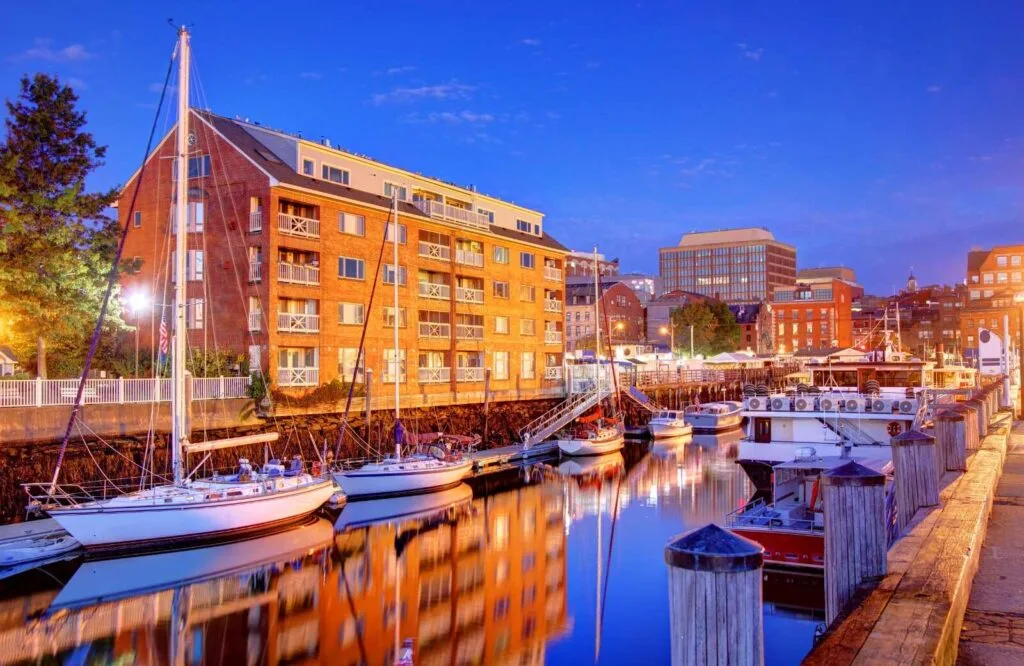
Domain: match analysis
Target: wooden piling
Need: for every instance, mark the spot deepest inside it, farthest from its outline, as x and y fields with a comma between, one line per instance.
x=951, y=440
x=853, y=498
x=916, y=480
x=970, y=414
x=982, y=415
x=714, y=583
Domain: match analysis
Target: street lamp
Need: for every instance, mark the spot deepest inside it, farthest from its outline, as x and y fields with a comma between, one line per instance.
x=1019, y=300
x=138, y=302
x=671, y=332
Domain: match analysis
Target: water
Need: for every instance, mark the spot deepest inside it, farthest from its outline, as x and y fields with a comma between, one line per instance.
x=506, y=570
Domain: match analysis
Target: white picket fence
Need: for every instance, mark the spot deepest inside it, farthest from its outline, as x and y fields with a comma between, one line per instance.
x=51, y=392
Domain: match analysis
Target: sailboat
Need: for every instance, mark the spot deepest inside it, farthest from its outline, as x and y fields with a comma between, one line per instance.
x=185, y=510
x=400, y=474
x=597, y=438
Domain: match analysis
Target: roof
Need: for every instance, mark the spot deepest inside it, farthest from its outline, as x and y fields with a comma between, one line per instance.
x=975, y=258
x=678, y=297
x=8, y=353
x=745, y=313
x=587, y=289
x=744, y=235
x=268, y=161
x=838, y=272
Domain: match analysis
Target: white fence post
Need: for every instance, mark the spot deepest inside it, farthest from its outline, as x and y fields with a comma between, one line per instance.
x=222, y=395
x=156, y=389
x=39, y=391
x=120, y=390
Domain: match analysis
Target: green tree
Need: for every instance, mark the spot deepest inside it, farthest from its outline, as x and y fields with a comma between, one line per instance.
x=56, y=243
x=714, y=328
x=727, y=332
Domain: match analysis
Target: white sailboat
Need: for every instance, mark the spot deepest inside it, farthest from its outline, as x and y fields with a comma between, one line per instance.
x=398, y=474
x=603, y=438
x=184, y=509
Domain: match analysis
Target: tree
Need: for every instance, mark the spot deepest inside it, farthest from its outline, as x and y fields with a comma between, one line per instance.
x=714, y=328
x=56, y=243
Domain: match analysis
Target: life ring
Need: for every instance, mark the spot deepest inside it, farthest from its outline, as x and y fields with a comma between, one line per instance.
x=893, y=428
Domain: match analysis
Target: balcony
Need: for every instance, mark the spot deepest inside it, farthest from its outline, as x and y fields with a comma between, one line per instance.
x=441, y=292
x=298, y=273
x=552, y=305
x=435, y=251
x=294, y=225
x=552, y=273
x=553, y=372
x=435, y=375
x=552, y=337
x=469, y=258
x=255, y=271
x=469, y=374
x=469, y=332
x=298, y=322
x=255, y=321
x=461, y=216
x=255, y=221
x=469, y=295
x=298, y=376
x=429, y=329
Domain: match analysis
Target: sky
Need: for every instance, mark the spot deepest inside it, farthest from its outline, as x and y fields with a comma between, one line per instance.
x=880, y=135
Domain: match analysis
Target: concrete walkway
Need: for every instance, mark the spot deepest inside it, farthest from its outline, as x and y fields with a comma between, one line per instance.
x=993, y=629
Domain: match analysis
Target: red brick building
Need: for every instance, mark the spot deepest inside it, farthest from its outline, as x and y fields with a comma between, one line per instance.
x=813, y=316
x=582, y=264
x=994, y=278
x=622, y=316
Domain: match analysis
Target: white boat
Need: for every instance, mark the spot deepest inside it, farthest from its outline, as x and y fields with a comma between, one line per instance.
x=35, y=541
x=183, y=510
x=669, y=423
x=398, y=475
x=714, y=416
x=397, y=509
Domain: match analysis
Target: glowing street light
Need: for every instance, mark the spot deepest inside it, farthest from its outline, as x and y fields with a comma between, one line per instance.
x=139, y=303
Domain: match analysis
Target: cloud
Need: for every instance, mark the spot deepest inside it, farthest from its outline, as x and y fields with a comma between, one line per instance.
x=465, y=116
x=934, y=89
x=749, y=52
x=483, y=137
x=157, y=88
x=439, y=91
x=41, y=50
x=698, y=168
x=391, y=71
x=529, y=41
x=313, y=76
x=77, y=84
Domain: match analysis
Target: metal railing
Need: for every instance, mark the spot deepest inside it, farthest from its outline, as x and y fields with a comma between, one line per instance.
x=553, y=372
x=453, y=214
x=255, y=321
x=552, y=305
x=298, y=376
x=552, y=337
x=469, y=295
x=255, y=271
x=298, y=273
x=296, y=225
x=123, y=390
x=469, y=374
x=429, y=329
x=255, y=221
x=434, y=375
x=435, y=251
x=469, y=258
x=553, y=273
x=469, y=332
x=436, y=290
x=298, y=322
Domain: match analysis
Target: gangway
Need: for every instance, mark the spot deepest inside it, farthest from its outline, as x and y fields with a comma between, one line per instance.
x=641, y=399
x=550, y=422
x=848, y=431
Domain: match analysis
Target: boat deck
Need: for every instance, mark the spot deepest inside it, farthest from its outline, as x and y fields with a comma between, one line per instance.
x=32, y=528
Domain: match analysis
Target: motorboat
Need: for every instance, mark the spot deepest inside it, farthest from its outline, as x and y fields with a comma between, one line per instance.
x=714, y=416
x=669, y=423
x=595, y=441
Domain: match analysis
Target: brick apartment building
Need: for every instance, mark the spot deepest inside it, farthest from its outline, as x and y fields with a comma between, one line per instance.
x=622, y=316
x=994, y=277
x=814, y=315
x=284, y=240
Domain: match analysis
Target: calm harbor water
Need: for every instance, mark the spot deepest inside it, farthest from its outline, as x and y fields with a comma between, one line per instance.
x=514, y=567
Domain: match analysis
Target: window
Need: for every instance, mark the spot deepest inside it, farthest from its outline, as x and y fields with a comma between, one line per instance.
x=527, y=293
x=529, y=559
x=390, y=366
x=527, y=260
x=389, y=317
x=194, y=313
x=194, y=265
x=486, y=213
x=309, y=167
x=527, y=369
x=390, y=189
x=1001, y=277
x=347, y=364
x=1015, y=260
x=500, y=254
x=987, y=278
x=1001, y=261
x=389, y=235
x=137, y=219
x=335, y=175
x=501, y=325
x=354, y=225
x=501, y=609
x=350, y=313
x=975, y=293
x=350, y=269
x=1015, y=276
x=988, y=293
x=527, y=327
x=501, y=362
x=500, y=289
x=524, y=226
x=389, y=274
x=198, y=167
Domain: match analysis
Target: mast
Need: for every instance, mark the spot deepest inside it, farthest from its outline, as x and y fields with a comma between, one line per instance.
x=597, y=326
x=179, y=427
x=397, y=360
x=597, y=613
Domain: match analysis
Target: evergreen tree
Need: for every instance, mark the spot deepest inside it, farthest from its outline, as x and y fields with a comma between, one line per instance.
x=56, y=242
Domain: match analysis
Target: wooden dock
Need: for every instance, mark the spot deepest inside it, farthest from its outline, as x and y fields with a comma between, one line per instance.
x=510, y=454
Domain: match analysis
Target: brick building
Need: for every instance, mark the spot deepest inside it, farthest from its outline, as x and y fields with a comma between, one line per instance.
x=756, y=329
x=284, y=240
x=582, y=264
x=994, y=278
x=622, y=316
x=813, y=315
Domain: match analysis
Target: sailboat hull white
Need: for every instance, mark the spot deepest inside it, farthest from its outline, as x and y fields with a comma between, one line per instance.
x=389, y=479
x=592, y=447
x=118, y=524
x=669, y=428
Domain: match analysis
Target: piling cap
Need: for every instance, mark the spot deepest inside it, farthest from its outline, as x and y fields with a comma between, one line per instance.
x=976, y=403
x=853, y=474
x=710, y=548
x=950, y=415
x=911, y=437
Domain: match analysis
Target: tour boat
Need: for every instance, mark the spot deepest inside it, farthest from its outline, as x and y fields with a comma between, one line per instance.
x=669, y=423
x=184, y=509
x=599, y=436
x=398, y=474
x=714, y=416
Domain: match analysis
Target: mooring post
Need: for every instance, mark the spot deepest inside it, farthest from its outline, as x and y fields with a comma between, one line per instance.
x=970, y=414
x=982, y=410
x=916, y=481
x=714, y=585
x=951, y=440
x=853, y=499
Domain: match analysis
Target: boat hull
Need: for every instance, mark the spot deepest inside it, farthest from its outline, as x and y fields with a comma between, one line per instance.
x=789, y=548
x=399, y=508
x=669, y=429
x=101, y=527
x=370, y=484
x=592, y=447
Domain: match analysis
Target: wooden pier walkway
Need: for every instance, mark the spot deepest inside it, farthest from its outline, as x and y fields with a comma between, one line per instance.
x=510, y=454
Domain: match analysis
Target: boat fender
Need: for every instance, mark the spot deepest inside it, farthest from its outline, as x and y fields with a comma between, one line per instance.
x=814, y=493
x=316, y=468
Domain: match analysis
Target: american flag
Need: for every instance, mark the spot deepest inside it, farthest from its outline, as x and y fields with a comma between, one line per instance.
x=163, y=339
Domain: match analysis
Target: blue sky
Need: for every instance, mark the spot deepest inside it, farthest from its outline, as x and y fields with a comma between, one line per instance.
x=878, y=135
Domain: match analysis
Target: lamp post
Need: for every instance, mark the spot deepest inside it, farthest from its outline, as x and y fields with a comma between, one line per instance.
x=1019, y=300
x=691, y=341
x=671, y=332
x=138, y=303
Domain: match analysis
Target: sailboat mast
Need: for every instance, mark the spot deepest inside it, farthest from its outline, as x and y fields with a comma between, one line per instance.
x=397, y=361
x=597, y=613
x=179, y=427
x=597, y=325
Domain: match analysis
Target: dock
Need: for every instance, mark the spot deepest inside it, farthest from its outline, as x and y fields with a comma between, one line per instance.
x=33, y=528
x=512, y=453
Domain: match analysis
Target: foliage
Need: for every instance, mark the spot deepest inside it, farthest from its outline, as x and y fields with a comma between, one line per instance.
x=714, y=328
x=259, y=387
x=56, y=242
x=334, y=392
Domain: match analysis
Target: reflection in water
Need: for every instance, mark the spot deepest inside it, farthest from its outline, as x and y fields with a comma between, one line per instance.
x=523, y=573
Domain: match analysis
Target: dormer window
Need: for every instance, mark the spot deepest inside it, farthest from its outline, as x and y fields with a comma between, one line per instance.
x=335, y=175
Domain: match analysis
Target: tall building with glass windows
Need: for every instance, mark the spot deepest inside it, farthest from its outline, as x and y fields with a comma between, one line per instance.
x=733, y=265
